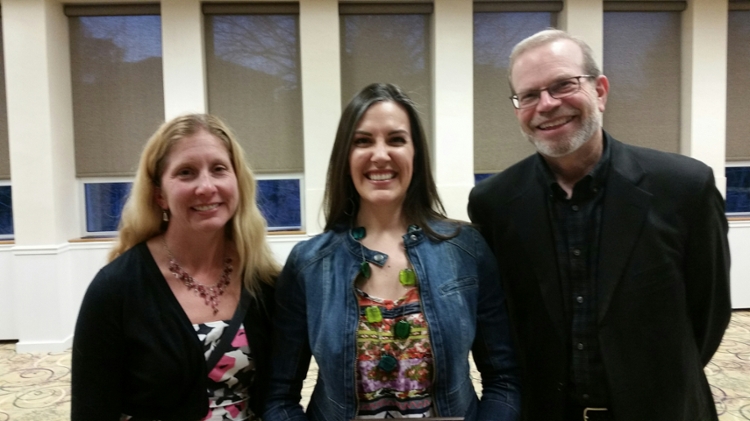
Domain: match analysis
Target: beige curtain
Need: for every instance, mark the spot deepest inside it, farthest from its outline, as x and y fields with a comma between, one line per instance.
x=389, y=48
x=498, y=142
x=642, y=62
x=118, y=95
x=738, y=86
x=253, y=72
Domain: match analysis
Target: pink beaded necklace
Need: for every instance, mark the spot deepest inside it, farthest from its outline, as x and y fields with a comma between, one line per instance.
x=210, y=294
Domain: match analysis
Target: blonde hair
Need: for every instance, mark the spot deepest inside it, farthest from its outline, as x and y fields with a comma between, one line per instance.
x=548, y=36
x=142, y=217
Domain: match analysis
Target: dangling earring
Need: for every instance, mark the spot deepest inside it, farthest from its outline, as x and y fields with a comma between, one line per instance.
x=164, y=215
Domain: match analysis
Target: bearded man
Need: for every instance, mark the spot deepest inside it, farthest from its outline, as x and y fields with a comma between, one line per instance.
x=614, y=258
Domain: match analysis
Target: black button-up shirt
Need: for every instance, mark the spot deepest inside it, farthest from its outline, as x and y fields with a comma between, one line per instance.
x=576, y=223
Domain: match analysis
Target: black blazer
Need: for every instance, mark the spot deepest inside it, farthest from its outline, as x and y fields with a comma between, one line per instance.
x=662, y=291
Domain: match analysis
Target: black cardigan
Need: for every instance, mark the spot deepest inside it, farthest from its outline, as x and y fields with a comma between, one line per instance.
x=135, y=350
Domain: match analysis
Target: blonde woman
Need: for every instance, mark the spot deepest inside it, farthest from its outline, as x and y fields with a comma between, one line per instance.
x=175, y=327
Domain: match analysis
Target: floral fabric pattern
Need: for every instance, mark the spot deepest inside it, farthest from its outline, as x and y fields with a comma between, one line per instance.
x=403, y=392
x=228, y=381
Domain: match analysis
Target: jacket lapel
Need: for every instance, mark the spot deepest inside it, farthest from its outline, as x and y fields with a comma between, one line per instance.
x=625, y=209
x=535, y=233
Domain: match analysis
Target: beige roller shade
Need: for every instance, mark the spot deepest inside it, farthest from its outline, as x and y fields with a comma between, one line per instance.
x=389, y=48
x=118, y=95
x=738, y=86
x=253, y=72
x=642, y=62
x=498, y=142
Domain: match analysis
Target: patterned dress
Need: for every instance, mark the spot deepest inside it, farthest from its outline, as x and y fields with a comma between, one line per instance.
x=228, y=381
x=403, y=392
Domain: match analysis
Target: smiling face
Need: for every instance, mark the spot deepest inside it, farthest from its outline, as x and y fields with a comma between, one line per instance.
x=559, y=127
x=198, y=185
x=381, y=160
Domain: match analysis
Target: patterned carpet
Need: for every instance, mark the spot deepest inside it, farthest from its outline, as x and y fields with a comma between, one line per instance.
x=36, y=387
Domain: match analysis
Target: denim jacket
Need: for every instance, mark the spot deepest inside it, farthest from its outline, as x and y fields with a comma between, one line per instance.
x=317, y=314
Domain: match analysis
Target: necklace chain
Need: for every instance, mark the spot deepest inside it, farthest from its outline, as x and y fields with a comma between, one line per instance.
x=209, y=293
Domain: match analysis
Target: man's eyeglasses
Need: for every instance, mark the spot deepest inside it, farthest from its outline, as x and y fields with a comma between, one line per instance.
x=557, y=90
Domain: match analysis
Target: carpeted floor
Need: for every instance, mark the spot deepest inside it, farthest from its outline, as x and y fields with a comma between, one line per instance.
x=36, y=387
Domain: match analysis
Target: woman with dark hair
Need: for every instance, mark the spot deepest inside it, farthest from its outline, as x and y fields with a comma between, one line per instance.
x=393, y=296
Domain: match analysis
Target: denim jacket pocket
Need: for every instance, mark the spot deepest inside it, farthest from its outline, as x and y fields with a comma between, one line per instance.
x=459, y=285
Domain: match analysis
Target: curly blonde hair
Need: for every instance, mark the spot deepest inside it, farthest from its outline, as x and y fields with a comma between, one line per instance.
x=142, y=216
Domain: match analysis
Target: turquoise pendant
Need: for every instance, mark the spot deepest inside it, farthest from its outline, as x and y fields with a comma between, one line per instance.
x=358, y=233
x=387, y=363
x=407, y=277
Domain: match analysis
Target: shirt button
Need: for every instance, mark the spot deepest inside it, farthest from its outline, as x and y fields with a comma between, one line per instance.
x=579, y=299
x=580, y=347
x=378, y=257
x=575, y=208
x=576, y=252
x=413, y=237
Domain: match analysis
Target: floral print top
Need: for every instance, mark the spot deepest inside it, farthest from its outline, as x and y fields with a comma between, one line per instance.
x=404, y=391
x=228, y=381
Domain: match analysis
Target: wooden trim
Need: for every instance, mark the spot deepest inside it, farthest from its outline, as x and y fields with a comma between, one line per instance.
x=517, y=6
x=645, y=6
x=385, y=8
x=115, y=9
x=261, y=8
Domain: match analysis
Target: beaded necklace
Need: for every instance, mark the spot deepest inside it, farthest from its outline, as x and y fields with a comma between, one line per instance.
x=209, y=293
x=407, y=278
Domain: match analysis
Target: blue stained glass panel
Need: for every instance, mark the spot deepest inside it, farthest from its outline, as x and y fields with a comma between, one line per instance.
x=104, y=202
x=480, y=177
x=279, y=201
x=6, y=211
x=738, y=190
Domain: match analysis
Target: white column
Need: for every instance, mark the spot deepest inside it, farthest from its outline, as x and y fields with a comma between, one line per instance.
x=45, y=206
x=40, y=121
x=183, y=57
x=704, y=81
x=453, y=90
x=321, y=99
x=585, y=19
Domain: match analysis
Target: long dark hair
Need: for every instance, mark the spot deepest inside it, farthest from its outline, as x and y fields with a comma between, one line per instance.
x=341, y=200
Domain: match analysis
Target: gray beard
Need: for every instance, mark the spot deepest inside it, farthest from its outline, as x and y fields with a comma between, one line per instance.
x=573, y=143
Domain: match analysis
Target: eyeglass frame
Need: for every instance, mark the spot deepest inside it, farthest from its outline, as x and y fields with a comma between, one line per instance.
x=516, y=101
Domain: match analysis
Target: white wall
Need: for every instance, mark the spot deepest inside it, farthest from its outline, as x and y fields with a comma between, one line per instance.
x=739, y=244
x=43, y=275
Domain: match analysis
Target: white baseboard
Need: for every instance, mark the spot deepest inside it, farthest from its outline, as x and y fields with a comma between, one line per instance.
x=29, y=347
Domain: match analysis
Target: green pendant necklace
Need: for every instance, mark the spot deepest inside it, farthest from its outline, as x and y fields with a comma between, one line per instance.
x=407, y=278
